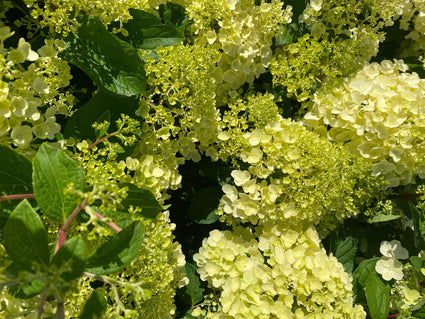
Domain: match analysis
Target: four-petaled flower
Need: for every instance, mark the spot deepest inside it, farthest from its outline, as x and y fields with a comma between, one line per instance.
x=393, y=249
x=389, y=266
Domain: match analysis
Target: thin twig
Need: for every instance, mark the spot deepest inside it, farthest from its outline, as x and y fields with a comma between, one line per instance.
x=74, y=214
x=102, y=139
x=15, y=196
x=61, y=236
x=43, y=298
x=111, y=224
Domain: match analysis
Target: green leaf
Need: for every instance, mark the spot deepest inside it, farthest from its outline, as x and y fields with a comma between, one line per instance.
x=194, y=288
x=346, y=253
x=204, y=204
x=146, y=31
x=360, y=276
x=417, y=223
x=287, y=34
x=15, y=178
x=25, y=237
x=365, y=269
x=72, y=254
x=15, y=171
x=109, y=61
x=378, y=297
x=415, y=65
x=24, y=290
x=53, y=172
x=95, y=307
x=384, y=218
x=420, y=313
x=417, y=263
x=28, y=291
x=175, y=15
x=79, y=125
x=142, y=198
x=117, y=252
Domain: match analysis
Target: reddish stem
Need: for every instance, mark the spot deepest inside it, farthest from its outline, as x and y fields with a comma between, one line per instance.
x=61, y=239
x=111, y=224
x=101, y=140
x=62, y=231
x=15, y=196
x=74, y=214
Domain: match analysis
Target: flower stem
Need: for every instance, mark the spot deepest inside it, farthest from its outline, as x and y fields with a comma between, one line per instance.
x=43, y=298
x=111, y=224
x=62, y=231
x=15, y=196
x=102, y=139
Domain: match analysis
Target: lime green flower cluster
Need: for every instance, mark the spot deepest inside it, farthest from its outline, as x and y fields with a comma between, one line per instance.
x=60, y=16
x=275, y=273
x=154, y=275
x=261, y=108
x=181, y=81
x=379, y=114
x=292, y=174
x=30, y=96
x=344, y=35
x=312, y=62
x=407, y=295
x=146, y=288
x=412, y=19
x=243, y=32
x=180, y=117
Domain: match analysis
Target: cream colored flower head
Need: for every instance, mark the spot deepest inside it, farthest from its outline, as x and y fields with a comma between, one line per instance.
x=377, y=113
x=389, y=268
x=22, y=53
x=393, y=249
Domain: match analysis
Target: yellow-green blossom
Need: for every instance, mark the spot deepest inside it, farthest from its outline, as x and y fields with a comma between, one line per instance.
x=31, y=94
x=242, y=30
x=61, y=16
x=290, y=173
x=293, y=281
x=378, y=113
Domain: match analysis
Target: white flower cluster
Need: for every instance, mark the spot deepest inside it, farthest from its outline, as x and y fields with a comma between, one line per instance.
x=290, y=168
x=29, y=97
x=412, y=18
x=379, y=114
x=243, y=31
x=277, y=273
x=155, y=166
x=389, y=266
